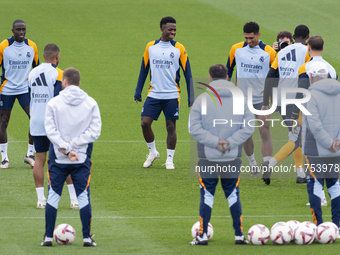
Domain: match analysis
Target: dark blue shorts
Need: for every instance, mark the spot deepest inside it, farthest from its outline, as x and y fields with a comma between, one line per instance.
x=7, y=101
x=41, y=143
x=257, y=107
x=288, y=116
x=153, y=107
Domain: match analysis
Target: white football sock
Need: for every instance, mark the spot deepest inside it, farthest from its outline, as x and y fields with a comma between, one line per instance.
x=272, y=161
x=30, y=150
x=252, y=160
x=170, y=157
x=40, y=193
x=301, y=173
x=323, y=197
x=72, y=191
x=152, y=147
x=267, y=158
x=3, y=149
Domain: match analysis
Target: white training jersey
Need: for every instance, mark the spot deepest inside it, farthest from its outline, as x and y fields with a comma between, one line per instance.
x=287, y=63
x=252, y=66
x=164, y=60
x=16, y=60
x=164, y=64
x=303, y=71
x=42, y=81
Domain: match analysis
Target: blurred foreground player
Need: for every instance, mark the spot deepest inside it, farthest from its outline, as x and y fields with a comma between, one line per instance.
x=45, y=82
x=315, y=49
x=163, y=57
x=321, y=140
x=72, y=124
x=220, y=147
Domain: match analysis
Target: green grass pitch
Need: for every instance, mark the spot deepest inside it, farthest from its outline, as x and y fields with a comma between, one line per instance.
x=150, y=211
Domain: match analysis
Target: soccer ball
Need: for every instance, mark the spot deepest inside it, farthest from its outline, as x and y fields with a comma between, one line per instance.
x=195, y=230
x=292, y=224
x=64, y=234
x=327, y=233
x=280, y=233
x=304, y=234
x=258, y=234
x=311, y=225
x=280, y=223
x=334, y=226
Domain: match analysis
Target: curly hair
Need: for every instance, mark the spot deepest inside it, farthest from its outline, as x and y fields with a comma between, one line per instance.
x=251, y=27
x=283, y=34
x=167, y=20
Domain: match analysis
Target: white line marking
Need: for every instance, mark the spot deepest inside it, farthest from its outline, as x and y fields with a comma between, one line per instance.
x=142, y=141
x=138, y=141
x=170, y=217
x=118, y=141
x=163, y=141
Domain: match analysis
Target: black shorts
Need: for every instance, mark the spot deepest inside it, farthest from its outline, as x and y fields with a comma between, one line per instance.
x=41, y=143
x=7, y=101
x=153, y=107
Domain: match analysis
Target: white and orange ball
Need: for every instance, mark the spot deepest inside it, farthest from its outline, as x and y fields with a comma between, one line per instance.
x=292, y=224
x=304, y=234
x=64, y=234
x=258, y=234
x=195, y=230
x=326, y=233
x=280, y=233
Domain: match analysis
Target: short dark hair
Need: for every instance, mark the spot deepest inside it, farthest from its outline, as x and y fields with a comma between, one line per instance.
x=283, y=34
x=167, y=20
x=316, y=42
x=18, y=21
x=51, y=51
x=72, y=76
x=218, y=71
x=301, y=31
x=251, y=27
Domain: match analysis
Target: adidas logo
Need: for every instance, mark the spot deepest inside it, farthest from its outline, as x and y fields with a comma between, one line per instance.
x=176, y=114
x=40, y=81
x=290, y=56
x=169, y=156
